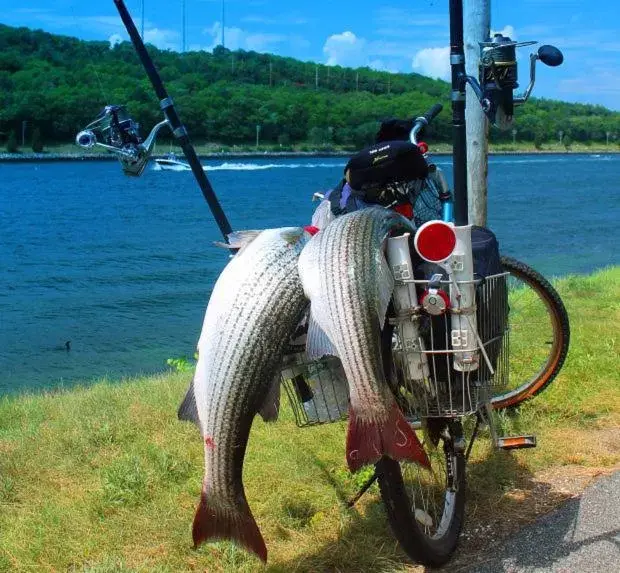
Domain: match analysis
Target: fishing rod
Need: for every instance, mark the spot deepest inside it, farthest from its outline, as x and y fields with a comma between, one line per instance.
x=117, y=132
x=494, y=89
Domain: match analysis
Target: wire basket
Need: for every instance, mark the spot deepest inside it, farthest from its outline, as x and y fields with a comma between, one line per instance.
x=318, y=390
x=438, y=389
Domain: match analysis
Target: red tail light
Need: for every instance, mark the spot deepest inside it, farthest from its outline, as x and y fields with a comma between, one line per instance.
x=435, y=241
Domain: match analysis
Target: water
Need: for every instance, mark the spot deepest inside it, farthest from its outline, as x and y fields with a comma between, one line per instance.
x=123, y=268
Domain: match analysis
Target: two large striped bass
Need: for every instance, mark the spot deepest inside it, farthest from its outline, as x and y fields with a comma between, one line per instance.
x=349, y=283
x=254, y=308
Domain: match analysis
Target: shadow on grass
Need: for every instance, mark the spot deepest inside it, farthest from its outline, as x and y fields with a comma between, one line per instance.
x=502, y=495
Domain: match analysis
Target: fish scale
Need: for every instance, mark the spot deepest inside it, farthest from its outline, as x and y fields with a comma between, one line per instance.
x=347, y=279
x=253, y=310
x=245, y=353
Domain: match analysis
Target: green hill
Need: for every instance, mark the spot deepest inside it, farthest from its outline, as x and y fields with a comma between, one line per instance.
x=58, y=84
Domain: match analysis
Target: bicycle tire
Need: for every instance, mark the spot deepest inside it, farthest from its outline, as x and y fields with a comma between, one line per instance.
x=426, y=511
x=538, y=295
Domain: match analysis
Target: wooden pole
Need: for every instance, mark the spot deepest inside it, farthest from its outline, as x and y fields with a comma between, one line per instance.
x=476, y=23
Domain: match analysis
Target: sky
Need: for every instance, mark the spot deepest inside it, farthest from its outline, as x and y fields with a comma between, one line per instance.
x=395, y=35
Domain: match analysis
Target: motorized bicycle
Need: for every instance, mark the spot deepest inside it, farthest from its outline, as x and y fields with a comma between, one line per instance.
x=450, y=338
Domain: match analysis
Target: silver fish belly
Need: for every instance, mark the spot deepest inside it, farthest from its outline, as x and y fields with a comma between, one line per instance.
x=253, y=310
x=349, y=283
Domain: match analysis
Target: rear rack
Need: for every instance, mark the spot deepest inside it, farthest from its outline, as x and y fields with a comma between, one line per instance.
x=318, y=389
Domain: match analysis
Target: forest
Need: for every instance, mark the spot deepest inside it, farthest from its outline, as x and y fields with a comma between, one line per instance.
x=52, y=86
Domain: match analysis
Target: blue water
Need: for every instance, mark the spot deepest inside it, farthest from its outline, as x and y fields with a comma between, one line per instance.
x=123, y=268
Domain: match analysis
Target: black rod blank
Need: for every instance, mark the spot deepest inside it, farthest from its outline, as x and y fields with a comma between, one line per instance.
x=459, y=140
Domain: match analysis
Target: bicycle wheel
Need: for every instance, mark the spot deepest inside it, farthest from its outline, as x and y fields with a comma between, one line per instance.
x=426, y=508
x=539, y=334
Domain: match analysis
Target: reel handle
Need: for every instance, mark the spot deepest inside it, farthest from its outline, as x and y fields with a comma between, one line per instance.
x=550, y=55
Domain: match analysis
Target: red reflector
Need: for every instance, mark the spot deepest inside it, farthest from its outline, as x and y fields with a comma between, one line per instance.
x=406, y=210
x=435, y=241
x=311, y=229
x=423, y=147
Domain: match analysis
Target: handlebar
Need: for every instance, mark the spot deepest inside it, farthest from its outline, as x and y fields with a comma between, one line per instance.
x=422, y=121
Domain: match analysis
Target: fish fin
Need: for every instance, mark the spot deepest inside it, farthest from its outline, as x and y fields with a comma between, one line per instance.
x=385, y=286
x=271, y=406
x=240, y=239
x=188, y=411
x=318, y=343
x=368, y=440
x=222, y=245
x=292, y=235
x=211, y=523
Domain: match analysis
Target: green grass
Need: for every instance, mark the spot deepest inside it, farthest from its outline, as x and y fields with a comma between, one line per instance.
x=105, y=478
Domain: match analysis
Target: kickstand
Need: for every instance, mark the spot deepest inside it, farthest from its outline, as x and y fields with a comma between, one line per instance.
x=473, y=435
x=362, y=490
x=483, y=416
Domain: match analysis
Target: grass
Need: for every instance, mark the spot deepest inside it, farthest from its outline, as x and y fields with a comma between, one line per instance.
x=105, y=478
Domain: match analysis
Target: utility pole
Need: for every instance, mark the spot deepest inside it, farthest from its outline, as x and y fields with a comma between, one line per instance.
x=223, y=44
x=477, y=25
x=560, y=135
x=183, y=7
x=607, y=134
x=514, y=136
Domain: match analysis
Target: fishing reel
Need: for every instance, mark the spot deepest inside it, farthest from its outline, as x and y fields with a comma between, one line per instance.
x=116, y=131
x=498, y=76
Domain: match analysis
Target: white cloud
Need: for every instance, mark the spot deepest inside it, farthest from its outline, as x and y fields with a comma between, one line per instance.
x=433, y=62
x=345, y=49
x=506, y=31
x=162, y=39
x=239, y=39
x=115, y=39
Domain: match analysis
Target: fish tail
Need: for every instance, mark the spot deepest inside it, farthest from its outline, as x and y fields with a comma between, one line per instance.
x=369, y=440
x=212, y=523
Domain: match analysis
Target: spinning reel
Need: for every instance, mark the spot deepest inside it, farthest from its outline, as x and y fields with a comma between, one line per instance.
x=498, y=76
x=116, y=131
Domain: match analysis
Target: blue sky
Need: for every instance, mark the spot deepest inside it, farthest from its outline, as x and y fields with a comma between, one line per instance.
x=394, y=35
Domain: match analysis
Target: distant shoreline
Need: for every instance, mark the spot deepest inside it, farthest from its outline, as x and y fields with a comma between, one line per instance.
x=38, y=157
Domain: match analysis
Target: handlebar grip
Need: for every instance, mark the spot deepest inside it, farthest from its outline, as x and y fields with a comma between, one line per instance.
x=432, y=113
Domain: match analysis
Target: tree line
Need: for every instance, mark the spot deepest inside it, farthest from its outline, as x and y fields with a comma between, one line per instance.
x=52, y=86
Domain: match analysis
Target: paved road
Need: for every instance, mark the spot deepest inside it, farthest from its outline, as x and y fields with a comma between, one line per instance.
x=582, y=536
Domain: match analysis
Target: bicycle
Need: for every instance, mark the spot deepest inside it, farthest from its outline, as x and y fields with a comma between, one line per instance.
x=447, y=356
x=437, y=380
x=430, y=531
x=434, y=395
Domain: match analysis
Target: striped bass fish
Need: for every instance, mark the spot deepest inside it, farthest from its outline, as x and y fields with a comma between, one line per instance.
x=254, y=308
x=349, y=283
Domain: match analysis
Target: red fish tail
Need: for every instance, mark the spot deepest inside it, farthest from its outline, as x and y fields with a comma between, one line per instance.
x=211, y=523
x=369, y=440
